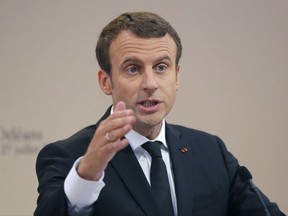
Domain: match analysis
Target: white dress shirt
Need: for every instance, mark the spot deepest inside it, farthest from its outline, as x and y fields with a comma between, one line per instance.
x=82, y=193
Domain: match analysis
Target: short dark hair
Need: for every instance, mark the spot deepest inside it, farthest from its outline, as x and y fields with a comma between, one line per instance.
x=142, y=24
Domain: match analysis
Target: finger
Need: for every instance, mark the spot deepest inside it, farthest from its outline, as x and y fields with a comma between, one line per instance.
x=117, y=133
x=120, y=114
x=120, y=106
x=115, y=146
x=116, y=121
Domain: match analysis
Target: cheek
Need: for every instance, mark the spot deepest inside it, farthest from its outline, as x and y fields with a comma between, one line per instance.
x=170, y=92
x=171, y=86
x=124, y=91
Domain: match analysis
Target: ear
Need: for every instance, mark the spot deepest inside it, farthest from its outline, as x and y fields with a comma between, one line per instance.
x=177, y=77
x=105, y=82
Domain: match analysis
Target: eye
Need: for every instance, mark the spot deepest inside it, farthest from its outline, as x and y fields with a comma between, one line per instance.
x=132, y=69
x=161, y=68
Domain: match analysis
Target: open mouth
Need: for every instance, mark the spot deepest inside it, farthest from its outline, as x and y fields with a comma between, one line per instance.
x=149, y=103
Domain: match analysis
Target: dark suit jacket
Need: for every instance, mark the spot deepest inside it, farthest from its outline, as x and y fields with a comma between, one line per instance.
x=206, y=179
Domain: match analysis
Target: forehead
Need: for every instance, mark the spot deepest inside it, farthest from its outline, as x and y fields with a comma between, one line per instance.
x=127, y=44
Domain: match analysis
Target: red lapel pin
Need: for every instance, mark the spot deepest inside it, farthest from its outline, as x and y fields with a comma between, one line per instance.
x=183, y=150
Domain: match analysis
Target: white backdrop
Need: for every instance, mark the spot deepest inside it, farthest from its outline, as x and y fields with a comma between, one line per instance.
x=234, y=82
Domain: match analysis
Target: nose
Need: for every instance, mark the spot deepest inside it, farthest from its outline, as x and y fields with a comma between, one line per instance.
x=149, y=82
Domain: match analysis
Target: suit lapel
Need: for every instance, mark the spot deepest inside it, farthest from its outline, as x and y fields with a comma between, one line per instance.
x=183, y=169
x=127, y=166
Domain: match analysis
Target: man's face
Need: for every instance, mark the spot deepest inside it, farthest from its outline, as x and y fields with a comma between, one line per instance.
x=144, y=76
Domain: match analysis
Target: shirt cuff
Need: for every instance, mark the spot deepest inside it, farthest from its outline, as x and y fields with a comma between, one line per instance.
x=81, y=192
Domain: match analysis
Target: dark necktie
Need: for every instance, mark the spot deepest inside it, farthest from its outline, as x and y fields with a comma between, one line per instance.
x=159, y=179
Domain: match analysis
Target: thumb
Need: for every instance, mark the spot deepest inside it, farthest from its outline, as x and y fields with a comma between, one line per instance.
x=120, y=106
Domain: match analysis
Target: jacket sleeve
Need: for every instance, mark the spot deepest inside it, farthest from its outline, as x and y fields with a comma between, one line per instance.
x=52, y=166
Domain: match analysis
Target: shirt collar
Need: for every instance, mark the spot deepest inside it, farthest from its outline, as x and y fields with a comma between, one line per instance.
x=135, y=139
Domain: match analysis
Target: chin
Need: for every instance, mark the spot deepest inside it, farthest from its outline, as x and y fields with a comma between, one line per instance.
x=150, y=122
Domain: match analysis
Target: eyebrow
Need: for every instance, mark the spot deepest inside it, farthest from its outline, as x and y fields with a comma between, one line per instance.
x=127, y=60
x=135, y=60
x=165, y=57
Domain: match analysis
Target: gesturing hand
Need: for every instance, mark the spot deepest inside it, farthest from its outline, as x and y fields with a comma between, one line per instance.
x=106, y=141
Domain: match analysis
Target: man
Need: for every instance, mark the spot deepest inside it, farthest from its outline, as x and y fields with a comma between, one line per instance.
x=105, y=169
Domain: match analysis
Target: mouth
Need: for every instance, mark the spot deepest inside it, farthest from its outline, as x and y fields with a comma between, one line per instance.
x=149, y=105
x=149, y=102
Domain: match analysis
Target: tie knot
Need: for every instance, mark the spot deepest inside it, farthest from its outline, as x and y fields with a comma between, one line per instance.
x=153, y=148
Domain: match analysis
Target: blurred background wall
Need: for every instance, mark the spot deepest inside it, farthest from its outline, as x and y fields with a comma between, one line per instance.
x=234, y=82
